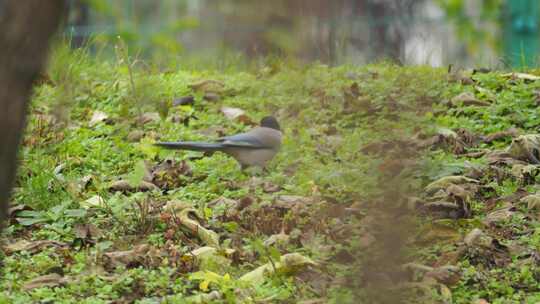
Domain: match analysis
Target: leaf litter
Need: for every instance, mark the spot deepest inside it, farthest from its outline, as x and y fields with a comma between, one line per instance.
x=210, y=236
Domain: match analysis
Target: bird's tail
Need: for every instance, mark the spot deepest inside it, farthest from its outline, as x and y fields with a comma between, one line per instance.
x=191, y=145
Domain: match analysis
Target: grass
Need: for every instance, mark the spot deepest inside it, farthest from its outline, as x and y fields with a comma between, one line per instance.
x=68, y=162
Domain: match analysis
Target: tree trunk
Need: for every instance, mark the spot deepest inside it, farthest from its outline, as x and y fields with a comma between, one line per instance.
x=27, y=27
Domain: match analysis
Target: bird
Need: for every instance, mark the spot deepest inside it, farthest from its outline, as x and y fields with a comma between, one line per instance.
x=253, y=148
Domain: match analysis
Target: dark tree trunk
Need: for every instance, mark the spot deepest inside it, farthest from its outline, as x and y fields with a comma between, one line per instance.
x=27, y=27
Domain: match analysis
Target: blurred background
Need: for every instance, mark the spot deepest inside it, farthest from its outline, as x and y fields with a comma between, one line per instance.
x=490, y=33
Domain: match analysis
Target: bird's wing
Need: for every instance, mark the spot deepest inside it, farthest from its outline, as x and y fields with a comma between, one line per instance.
x=257, y=138
x=242, y=141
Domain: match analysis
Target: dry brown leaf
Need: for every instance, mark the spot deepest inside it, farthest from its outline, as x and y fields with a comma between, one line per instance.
x=49, y=280
x=225, y=209
x=129, y=258
x=522, y=76
x=468, y=99
x=526, y=148
x=499, y=215
x=184, y=213
x=170, y=174
x=125, y=186
x=289, y=201
x=208, y=236
x=208, y=86
x=444, y=182
x=448, y=275
x=87, y=231
x=269, y=187
x=289, y=263
x=149, y=117
x=33, y=246
x=212, y=97
x=477, y=238
x=232, y=113
x=135, y=136
x=277, y=239
x=532, y=201
x=512, y=132
x=14, y=209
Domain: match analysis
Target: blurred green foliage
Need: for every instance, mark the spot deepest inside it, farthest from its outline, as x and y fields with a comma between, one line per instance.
x=476, y=31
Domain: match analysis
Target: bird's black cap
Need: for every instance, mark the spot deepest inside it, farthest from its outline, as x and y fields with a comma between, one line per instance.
x=270, y=122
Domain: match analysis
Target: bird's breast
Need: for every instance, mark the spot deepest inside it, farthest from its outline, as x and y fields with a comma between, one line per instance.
x=252, y=157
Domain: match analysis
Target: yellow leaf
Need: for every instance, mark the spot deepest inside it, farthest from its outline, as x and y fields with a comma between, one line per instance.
x=204, y=285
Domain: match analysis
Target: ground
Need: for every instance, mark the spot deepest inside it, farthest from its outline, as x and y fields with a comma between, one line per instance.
x=352, y=206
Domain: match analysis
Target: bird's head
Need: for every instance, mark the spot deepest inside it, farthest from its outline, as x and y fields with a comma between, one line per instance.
x=270, y=122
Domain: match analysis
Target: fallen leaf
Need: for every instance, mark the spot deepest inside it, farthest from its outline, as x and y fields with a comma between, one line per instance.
x=33, y=246
x=277, y=239
x=148, y=118
x=446, y=293
x=128, y=258
x=445, y=182
x=477, y=238
x=94, y=201
x=232, y=113
x=208, y=86
x=438, y=232
x=125, y=186
x=486, y=92
x=14, y=209
x=289, y=201
x=448, y=275
x=532, y=201
x=224, y=208
x=468, y=99
x=525, y=173
x=135, y=136
x=269, y=187
x=212, y=259
x=208, y=236
x=97, y=117
x=522, y=76
x=499, y=215
x=526, y=148
x=289, y=264
x=512, y=132
x=417, y=268
x=212, y=97
x=49, y=280
x=87, y=231
x=170, y=174
x=175, y=206
x=203, y=298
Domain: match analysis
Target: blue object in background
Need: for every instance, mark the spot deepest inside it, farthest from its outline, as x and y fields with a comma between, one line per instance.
x=521, y=32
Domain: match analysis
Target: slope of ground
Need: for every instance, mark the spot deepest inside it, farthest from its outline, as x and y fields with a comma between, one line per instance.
x=99, y=215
